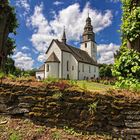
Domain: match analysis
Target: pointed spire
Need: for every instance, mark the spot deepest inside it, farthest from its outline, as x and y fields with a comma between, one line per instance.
x=64, y=36
x=88, y=12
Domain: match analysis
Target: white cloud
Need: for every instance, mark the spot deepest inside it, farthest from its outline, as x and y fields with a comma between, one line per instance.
x=23, y=60
x=42, y=57
x=114, y=1
x=25, y=48
x=24, y=4
x=106, y=53
x=58, y=3
x=71, y=17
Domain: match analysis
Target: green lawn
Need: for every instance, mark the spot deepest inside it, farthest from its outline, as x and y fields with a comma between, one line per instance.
x=93, y=86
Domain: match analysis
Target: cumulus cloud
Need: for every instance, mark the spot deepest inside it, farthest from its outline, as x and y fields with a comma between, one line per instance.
x=106, y=53
x=71, y=17
x=24, y=4
x=23, y=61
x=58, y=3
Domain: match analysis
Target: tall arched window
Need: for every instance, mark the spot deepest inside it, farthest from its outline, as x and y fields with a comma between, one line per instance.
x=89, y=69
x=83, y=67
x=47, y=67
x=67, y=65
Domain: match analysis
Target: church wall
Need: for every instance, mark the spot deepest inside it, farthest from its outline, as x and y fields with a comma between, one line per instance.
x=54, y=48
x=53, y=70
x=39, y=74
x=94, y=71
x=73, y=73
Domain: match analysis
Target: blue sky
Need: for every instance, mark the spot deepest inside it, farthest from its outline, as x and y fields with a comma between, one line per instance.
x=42, y=20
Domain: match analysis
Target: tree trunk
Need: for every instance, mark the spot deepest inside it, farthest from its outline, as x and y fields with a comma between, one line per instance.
x=129, y=44
x=4, y=32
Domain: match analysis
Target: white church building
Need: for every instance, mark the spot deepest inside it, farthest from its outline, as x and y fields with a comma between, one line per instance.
x=67, y=62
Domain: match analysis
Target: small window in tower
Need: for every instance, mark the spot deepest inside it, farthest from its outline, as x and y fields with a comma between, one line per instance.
x=85, y=45
x=47, y=67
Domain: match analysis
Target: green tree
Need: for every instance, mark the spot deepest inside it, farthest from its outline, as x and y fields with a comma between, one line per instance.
x=8, y=24
x=105, y=70
x=10, y=66
x=127, y=62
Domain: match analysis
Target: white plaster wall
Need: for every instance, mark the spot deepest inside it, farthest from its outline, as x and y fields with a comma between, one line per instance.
x=73, y=74
x=93, y=71
x=40, y=74
x=53, y=70
x=54, y=48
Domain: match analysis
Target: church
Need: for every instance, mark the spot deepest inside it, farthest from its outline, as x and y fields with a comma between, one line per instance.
x=67, y=62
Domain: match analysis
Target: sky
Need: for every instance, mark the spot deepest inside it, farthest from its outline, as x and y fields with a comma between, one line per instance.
x=40, y=21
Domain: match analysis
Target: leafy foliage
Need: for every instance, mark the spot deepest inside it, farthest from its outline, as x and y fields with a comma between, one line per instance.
x=130, y=20
x=127, y=69
x=127, y=63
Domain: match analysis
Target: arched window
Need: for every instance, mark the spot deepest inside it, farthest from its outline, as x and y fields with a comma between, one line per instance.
x=89, y=69
x=94, y=69
x=67, y=65
x=83, y=67
x=47, y=67
x=85, y=45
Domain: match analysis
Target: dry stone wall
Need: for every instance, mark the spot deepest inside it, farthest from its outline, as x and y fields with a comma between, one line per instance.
x=115, y=114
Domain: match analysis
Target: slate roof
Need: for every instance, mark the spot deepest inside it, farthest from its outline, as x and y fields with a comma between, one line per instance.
x=52, y=58
x=80, y=55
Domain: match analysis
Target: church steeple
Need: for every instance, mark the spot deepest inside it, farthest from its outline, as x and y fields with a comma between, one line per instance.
x=64, y=40
x=88, y=31
x=88, y=43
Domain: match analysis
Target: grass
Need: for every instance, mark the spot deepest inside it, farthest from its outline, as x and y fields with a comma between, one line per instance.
x=92, y=86
x=24, y=129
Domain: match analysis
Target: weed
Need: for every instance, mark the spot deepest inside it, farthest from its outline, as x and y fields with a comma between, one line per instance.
x=71, y=131
x=93, y=107
x=40, y=130
x=57, y=95
x=15, y=136
x=56, y=135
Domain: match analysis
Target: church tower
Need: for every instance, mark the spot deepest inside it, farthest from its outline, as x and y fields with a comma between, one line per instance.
x=88, y=40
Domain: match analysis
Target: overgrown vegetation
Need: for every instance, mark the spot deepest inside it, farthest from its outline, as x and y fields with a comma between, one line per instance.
x=127, y=63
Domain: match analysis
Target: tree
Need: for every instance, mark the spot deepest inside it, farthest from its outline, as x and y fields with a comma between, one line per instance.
x=8, y=24
x=127, y=62
x=105, y=70
x=10, y=66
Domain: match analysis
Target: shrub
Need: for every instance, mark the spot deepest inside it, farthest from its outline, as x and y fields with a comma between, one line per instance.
x=127, y=69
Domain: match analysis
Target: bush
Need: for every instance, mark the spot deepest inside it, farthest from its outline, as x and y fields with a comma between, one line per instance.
x=127, y=69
